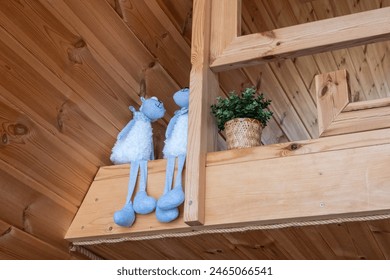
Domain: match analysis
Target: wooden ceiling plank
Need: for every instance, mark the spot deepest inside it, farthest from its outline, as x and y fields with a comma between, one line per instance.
x=381, y=231
x=24, y=141
x=153, y=27
x=305, y=39
x=17, y=244
x=312, y=236
x=284, y=114
x=64, y=59
x=297, y=94
x=340, y=241
x=364, y=241
x=33, y=212
x=286, y=69
x=289, y=78
x=254, y=245
x=373, y=52
x=180, y=14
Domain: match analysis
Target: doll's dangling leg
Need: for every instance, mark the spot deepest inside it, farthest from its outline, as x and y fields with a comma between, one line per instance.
x=166, y=216
x=173, y=198
x=143, y=204
x=126, y=216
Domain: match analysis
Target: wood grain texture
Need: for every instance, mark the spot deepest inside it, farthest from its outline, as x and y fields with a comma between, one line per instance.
x=332, y=97
x=279, y=193
x=202, y=134
x=305, y=39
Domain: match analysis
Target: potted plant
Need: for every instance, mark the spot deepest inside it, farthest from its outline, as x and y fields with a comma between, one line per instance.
x=242, y=117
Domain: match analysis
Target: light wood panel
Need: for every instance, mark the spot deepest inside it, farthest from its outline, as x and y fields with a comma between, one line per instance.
x=279, y=193
x=202, y=136
x=304, y=39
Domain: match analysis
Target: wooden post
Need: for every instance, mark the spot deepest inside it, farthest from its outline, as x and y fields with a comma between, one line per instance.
x=210, y=35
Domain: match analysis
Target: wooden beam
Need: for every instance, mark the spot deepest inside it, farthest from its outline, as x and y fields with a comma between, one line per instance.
x=225, y=25
x=305, y=39
x=341, y=183
x=332, y=97
x=263, y=184
x=202, y=134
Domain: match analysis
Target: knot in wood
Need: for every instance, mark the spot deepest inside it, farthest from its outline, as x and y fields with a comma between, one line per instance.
x=294, y=146
x=4, y=139
x=324, y=90
x=20, y=129
x=80, y=44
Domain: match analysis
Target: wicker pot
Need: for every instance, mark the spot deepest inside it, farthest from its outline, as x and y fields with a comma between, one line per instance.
x=243, y=133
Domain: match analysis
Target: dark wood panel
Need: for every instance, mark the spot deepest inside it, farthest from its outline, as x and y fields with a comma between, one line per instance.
x=17, y=244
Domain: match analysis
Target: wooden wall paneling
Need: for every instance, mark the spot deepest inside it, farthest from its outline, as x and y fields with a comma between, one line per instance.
x=174, y=248
x=366, y=245
x=297, y=94
x=318, y=245
x=112, y=44
x=250, y=244
x=180, y=14
x=127, y=250
x=26, y=88
x=359, y=58
x=212, y=247
x=337, y=59
x=284, y=114
x=286, y=239
x=381, y=231
x=154, y=28
x=110, y=252
x=68, y=57
x=17, y=244
x=33, y=212
x=340, y=241
x=374, y=52
x=24, y=141
x=286, y=71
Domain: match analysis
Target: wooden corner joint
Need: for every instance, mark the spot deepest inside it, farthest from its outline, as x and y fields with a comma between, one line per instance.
x=338, y=115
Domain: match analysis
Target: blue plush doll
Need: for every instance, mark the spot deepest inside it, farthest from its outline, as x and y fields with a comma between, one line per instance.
x=175, y=147
x=134, y=145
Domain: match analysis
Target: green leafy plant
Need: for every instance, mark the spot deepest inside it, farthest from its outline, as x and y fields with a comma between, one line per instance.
x=247, y=104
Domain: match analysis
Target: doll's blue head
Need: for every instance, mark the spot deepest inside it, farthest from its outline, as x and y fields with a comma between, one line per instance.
x=152, y=108
x=182, y=97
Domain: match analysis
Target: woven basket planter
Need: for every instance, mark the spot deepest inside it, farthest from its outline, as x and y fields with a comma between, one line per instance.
x=243, y=133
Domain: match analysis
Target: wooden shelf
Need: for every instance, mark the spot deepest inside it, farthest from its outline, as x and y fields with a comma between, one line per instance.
x=326, y=178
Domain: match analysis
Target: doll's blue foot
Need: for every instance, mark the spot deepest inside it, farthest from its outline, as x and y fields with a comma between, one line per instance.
x=166, y=216
x=171, y=199
x=126, y=216
x=144, y=204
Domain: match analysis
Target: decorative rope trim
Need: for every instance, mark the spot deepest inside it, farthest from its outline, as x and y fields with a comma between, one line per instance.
x=85, y=252
x=232, y=229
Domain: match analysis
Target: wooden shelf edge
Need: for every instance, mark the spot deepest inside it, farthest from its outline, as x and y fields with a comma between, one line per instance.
x=336, y=176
